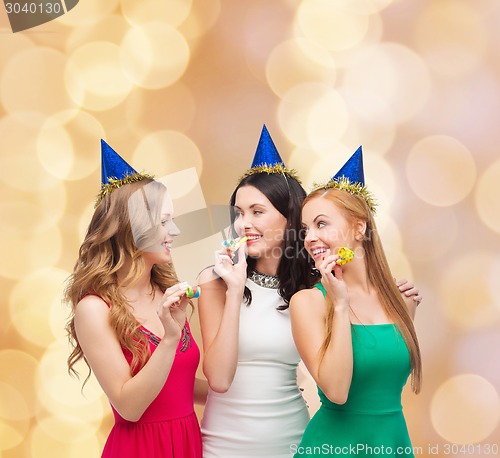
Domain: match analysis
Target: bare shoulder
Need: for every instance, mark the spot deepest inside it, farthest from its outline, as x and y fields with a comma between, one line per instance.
x=212, y=287
x=207, y=275
x=91, y=309
x=305, y=297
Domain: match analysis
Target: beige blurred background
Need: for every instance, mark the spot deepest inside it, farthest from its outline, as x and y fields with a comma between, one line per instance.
x=181, y=89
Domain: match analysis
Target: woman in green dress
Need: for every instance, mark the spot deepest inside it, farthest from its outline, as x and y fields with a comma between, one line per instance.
x=354, y=331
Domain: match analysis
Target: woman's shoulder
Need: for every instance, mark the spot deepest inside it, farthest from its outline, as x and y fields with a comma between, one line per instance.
x=305, y=295
x=91, y=305
x=210, y=283
x=208, y=275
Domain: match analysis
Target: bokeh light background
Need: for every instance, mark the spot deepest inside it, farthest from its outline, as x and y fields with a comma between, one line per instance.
x=181, y=88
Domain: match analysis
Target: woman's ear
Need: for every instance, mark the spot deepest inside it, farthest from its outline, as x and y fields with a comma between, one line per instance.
x=359, y=230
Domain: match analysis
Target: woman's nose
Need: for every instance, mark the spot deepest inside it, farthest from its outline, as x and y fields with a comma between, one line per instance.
x=310, y=236
x=173, y=230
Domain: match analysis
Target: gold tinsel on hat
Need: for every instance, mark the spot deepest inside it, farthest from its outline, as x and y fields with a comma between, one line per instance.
x=114, y=183
x=344, y=184
x=269, y=169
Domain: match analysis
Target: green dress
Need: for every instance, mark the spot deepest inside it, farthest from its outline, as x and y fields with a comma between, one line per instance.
x=371, y=422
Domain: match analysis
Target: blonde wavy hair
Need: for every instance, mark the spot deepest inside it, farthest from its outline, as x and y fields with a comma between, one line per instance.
x=125, y=223
x=355, y=208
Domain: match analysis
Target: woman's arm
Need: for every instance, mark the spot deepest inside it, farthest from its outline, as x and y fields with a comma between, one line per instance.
x=219, y=310
x=129, y=395
x=200, y=391
x=334, y=373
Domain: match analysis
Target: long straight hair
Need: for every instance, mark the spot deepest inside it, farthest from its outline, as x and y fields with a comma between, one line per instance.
x=379, y=275
x=286, y=195
x=116, y=233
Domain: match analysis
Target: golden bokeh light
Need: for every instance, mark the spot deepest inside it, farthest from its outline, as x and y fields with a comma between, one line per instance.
x=397, y=76
x=493, y=279
x=66, y=144
x=93, y=70
x=295, y=108
x=172, y=12
x=12, y=404
x=180, y=89
x=28, y=77
x=62, y=395
x=289, y=65
x=90, y=12
x=306, y=161
x=327, y=120
x=17, y=371
x=167, y=151
x=68, y=428
x=465, y=409
x=476, y=354
x=10, y=436
x=441, y=170
x=398, y=262
x=486, y=197
x=84, y=220
x=431, y=230
x=35, y=305
x=13, y=45
x=374, y=120
x=380, y=179
x=148, y=111
x=22, y=170
x=20, y=210
x=154, y=55
x=465, y=294
x=44, y=445
x=329, y=26
x=29, y=253
x=363, y=6
x=55, y=149
x=454, y=47
x=203, y=17
x=110, y=29
x=14, y=417
x=392, y=241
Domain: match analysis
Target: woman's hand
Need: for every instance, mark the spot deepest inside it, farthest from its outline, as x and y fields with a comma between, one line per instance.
x=172, y=311
x=234, y=275
x=409, y=290
x=334, y=284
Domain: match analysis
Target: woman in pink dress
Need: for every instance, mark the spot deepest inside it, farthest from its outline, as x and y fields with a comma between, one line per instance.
x=128, y=318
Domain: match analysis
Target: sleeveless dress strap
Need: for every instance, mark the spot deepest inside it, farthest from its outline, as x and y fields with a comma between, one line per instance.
x=321, y=288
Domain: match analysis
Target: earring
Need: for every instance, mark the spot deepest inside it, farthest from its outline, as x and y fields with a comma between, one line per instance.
x=315, y=272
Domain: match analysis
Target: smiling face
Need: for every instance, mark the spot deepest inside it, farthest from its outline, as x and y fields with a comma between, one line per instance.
x=327, y=228
x=151, y=211
x=260, y=221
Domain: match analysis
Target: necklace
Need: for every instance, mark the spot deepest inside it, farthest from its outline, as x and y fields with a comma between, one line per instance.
x=265, y=280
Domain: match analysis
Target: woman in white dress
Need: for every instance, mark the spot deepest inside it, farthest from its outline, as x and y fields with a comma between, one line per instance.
x=254, y=406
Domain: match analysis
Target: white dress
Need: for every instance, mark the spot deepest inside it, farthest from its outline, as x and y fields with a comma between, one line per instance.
x=263, y=412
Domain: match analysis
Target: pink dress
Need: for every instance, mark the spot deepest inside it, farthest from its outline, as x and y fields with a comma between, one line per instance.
x=169, y=427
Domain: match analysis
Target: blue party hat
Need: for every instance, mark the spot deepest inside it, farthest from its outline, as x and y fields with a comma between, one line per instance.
x=266, y=152
x=351, y=178
x=353, y=168
x=115, y=172
x=113, y=166
x=267, y=159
